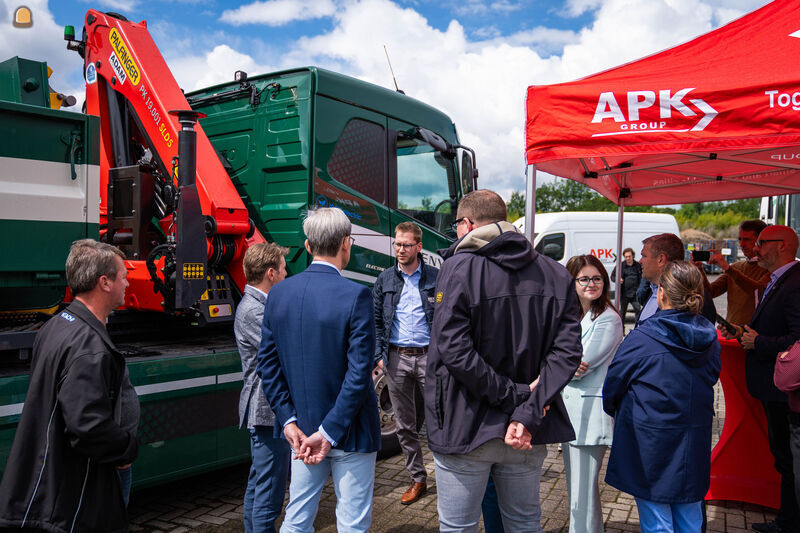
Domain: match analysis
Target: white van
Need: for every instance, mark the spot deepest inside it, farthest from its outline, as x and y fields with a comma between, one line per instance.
x=570, y=233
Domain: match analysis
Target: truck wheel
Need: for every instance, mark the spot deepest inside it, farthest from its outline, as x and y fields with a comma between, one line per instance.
x=389, y=444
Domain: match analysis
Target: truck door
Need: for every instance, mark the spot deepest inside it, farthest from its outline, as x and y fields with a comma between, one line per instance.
x=351, y=174
x=423, y=189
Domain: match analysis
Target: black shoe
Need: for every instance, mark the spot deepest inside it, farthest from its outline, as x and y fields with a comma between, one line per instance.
x=768, y=527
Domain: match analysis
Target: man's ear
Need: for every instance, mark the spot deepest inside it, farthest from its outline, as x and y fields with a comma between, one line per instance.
x=308, y=247
x=270, y=274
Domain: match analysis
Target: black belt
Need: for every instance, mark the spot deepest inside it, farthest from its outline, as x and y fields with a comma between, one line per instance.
x=409, y=350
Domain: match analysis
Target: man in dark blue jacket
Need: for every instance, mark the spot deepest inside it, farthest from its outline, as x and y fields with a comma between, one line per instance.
x=315, y=363
x=505, y=340
x=403, y=305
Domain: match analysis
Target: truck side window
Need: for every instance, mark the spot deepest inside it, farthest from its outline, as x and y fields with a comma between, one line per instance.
x=359, y=159
x=424, y=184
x=552, y=246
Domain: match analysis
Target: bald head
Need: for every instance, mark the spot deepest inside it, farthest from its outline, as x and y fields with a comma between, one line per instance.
x=776, y=246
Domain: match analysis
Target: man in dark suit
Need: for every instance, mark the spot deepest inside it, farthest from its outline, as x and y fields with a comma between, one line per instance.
x=774, y=327
x=315, y=362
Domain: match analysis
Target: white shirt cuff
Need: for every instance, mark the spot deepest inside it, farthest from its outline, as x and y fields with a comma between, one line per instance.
x=327, y=437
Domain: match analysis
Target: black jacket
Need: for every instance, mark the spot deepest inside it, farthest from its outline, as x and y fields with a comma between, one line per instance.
x=777, y=321
x=386, y=296
x=631, y=278
x=504, y=315
x=61, y=473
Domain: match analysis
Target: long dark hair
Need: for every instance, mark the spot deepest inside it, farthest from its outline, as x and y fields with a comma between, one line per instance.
x=574, y=266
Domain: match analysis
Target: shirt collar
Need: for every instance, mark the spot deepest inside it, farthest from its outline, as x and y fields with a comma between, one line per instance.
x=419, y=269
x=319, y=262
x=264, y=294
x=779, y=271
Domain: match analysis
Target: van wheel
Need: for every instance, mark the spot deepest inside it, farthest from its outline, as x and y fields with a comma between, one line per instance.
x=390, y=446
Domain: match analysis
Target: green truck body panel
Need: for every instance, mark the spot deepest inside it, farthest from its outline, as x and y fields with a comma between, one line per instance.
x=48, y=158
x=315, y=138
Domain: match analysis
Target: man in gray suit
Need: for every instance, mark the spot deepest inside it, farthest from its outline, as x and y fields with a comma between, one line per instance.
x=264, y=266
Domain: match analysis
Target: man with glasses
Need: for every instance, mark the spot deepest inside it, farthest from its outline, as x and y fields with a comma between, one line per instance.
x=505, y=340
x=775, y=325
x=403, y=304
x=742, y=279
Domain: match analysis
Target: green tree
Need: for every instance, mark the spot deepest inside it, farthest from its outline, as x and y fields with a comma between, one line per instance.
x=515, y=207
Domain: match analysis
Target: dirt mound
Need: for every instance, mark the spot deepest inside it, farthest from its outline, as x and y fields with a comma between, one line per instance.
x=693, y=235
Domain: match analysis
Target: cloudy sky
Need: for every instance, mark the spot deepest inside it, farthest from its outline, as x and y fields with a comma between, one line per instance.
x=473, y=59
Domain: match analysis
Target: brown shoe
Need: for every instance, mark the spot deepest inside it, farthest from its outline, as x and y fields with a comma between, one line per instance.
x=414, y=492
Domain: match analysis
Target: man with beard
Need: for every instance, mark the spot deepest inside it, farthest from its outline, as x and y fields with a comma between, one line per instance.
x=775, y=325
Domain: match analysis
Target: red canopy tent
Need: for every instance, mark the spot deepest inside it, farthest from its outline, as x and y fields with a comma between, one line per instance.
x=717, y=118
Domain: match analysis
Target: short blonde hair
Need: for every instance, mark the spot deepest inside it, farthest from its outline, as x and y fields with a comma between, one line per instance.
x=261, y=257
x=682, y=283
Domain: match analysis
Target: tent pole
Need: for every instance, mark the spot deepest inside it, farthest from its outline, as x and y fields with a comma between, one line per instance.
x=530, y=200
x=617, y=293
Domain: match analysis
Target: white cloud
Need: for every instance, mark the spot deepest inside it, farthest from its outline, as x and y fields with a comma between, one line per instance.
x=119, y=6
x=480, y=82
x=278, y=12
x=44, y=41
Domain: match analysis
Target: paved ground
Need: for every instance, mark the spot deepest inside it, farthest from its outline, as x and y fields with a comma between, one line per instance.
x=213, y=502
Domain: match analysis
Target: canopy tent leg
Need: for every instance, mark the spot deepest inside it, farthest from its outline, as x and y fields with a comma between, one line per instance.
x=530, y=200
x=617, y=293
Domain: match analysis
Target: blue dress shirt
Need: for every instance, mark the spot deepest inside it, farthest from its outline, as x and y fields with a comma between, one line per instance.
x=409, y=326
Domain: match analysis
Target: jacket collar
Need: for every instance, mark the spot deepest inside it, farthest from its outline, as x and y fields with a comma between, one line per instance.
x=79, y=310
x=774, y=290
x=255, y=293
x=323, y=268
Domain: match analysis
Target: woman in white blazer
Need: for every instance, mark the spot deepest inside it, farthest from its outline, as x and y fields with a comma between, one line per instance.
x=601, y=334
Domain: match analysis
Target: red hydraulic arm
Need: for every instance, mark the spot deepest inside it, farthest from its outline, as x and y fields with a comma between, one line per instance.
x=131, y=89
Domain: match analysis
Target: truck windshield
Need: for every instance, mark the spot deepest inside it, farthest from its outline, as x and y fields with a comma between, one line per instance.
x=425, y=184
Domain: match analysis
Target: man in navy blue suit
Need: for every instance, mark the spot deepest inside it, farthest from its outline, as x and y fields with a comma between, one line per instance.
x=315, y=363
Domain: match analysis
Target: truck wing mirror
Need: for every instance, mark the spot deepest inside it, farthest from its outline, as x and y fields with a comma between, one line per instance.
x=439, y=144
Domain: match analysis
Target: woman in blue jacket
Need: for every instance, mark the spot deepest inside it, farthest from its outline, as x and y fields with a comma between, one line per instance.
x=601, y=333
x=660, y=391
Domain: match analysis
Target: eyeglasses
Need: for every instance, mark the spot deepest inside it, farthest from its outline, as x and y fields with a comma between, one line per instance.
x=455, y=224
x=352, y=240
x=585, y=280
x=760, y=242
x=405, y=245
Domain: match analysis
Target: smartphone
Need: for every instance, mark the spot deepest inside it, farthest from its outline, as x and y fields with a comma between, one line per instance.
x=701, y=255
x=727, y=325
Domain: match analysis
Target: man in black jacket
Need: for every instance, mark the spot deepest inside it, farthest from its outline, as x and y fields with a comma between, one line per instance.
x=505, y=340
x=74, y=433
x=774, y=327
x=631, y=278
x=403, y=306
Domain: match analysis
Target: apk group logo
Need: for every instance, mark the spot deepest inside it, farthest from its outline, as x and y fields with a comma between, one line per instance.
x=647, y=111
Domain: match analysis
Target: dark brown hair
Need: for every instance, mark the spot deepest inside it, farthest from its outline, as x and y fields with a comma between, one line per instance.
x=574, y=266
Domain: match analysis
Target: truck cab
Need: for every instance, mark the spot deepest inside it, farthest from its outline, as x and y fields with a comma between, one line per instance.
x=318, y=138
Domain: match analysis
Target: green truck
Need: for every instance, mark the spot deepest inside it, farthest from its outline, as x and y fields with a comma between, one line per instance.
x=289, y=141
